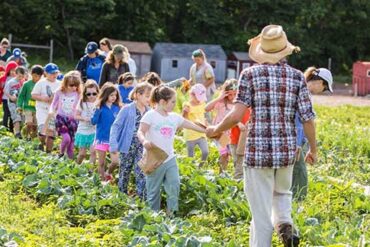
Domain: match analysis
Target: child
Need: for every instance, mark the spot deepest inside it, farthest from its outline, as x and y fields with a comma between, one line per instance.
x=9, y=74
x=222, y=105
x=123, y=138
x=125, y=86
x=107, y=108
x=194, y=111
x=11, y=91
x=158, y=127
x=43, y=93
x=26, y=104
x=63, y=108
x=86, y=131
x=237, y=132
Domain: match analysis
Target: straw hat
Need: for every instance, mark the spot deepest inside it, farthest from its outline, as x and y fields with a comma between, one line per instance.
x=271, y=45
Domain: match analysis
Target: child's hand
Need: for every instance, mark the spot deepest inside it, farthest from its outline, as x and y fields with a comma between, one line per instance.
x=186, y=109
x=19, y=110
x=242, y=127
x=46, y=99
x=222, y=95
x=147, y=144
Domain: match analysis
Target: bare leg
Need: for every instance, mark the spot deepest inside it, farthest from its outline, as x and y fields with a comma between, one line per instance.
x=101, y=165
x=81, y=155
x=92, y=155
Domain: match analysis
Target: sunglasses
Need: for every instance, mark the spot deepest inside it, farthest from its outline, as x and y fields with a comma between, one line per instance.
x=91, y=94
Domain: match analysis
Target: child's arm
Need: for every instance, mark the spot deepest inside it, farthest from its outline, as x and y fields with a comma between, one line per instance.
x=21, y=97
x=143, y=129
x=190, y=125
x=116, y=129
x=55, y=102
x=96, y=116
x=211, y=105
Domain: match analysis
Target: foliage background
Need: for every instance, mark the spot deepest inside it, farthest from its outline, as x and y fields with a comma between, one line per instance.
x=322, y=28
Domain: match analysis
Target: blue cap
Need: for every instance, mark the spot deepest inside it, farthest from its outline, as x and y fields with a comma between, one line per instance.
x=17, y=52
x=51, y=68
x=91, y=47
x=60, y=77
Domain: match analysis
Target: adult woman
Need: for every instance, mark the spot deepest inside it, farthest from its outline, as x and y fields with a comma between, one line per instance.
x=318, y=81
x=4, y=51
x=90, y=65
x=105, y=46
x=115, y=65
x=202, y=72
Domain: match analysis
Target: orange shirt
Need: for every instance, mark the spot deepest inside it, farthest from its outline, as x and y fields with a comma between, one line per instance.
x=235, y=131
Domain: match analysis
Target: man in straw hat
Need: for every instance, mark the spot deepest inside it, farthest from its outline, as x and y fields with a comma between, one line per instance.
x=275, y=92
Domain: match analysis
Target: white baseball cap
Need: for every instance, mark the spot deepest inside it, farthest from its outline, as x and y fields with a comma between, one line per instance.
x=326, y=75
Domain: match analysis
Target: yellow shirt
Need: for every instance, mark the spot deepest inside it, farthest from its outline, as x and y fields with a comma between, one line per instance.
x=196, y=114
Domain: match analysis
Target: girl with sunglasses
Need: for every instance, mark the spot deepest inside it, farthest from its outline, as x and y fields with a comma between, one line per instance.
x=86, y=131
x=64, y=107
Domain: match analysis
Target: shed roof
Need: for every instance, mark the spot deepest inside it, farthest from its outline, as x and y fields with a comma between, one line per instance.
x=133, y=46
x=241, y=56
x=186, y=50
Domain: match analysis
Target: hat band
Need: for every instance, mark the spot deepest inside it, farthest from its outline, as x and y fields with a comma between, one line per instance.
x=271, y=52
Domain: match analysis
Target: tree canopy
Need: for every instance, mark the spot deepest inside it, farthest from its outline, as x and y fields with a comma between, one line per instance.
x=324, y=28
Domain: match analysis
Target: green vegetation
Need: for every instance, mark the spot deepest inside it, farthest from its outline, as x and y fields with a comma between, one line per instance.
x=52, y=202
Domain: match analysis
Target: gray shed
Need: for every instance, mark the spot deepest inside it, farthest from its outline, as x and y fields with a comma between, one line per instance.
x=140, y=52
x=172, y=61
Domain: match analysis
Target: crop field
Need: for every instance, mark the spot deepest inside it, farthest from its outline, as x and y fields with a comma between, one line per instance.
x=46, y=201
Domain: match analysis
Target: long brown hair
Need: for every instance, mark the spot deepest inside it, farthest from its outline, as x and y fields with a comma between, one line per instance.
x=106, y=42
x=72, y=77
x=88, y=84
x=104, y=93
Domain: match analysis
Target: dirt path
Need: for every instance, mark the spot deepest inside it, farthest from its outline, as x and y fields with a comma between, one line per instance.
x=338, y=100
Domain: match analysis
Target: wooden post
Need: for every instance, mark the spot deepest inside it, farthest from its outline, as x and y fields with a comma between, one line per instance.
x=51, y=51
x=10, y=36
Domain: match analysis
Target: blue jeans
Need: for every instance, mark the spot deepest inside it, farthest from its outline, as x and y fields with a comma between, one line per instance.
x=168, y=175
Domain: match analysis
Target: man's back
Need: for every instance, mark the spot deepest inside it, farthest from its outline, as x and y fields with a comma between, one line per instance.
x=275, y=92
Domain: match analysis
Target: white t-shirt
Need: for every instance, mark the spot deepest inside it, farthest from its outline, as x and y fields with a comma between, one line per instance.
x=162, y=130
x=44, y=88
x=87, y=110
x=132, y=66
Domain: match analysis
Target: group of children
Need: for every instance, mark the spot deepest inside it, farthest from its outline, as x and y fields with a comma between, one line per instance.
x=119, y=120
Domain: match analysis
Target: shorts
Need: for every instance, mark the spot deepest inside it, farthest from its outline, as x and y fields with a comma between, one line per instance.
x=51, y=128
x=30, y=117
x=101, y=147
x=16, y=117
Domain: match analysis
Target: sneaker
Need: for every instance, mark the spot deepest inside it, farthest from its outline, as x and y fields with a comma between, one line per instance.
x=108, y=177
x=18, y=135
x=288, y=235
x=60, y=156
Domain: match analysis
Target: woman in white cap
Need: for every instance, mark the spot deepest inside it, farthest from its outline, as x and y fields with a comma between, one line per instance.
x=318, y=81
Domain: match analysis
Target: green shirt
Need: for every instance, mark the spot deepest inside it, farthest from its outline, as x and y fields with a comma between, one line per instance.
x=25, y=100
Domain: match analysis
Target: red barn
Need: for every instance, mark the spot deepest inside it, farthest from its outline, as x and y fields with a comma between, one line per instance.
x=361, y=78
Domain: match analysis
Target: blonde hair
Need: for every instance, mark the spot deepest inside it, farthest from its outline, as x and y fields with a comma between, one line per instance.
x=72, y=77
x=141, y=88
x=111, y=60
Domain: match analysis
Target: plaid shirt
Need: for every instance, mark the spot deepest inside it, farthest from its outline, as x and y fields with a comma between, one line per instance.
x=275, y=93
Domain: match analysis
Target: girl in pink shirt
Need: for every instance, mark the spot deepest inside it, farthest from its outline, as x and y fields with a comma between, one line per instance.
x=222, y=105
x=64, y=107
